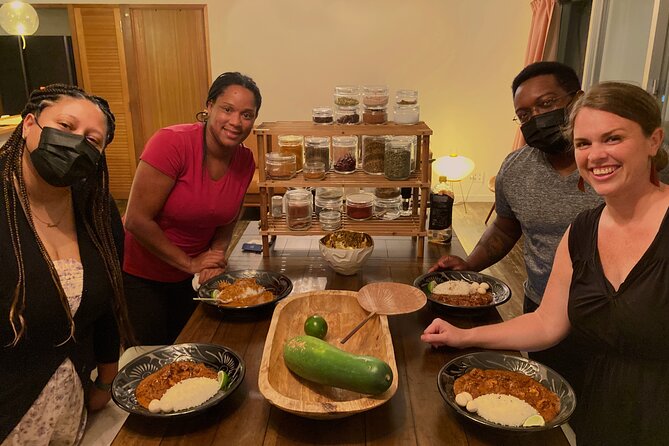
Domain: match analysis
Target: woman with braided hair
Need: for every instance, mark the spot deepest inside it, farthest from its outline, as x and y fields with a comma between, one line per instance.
x=61, y=295
x=184, y=202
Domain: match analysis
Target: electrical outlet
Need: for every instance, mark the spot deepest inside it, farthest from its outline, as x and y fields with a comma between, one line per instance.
x=477, y=177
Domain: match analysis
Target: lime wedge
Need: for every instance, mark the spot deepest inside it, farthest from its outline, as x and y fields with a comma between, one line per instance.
x=431, y=285
x=534, y=420
x=223, y=380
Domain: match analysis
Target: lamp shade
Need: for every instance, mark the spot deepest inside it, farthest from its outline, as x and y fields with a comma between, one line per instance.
x=454, y=167
x=18, y=18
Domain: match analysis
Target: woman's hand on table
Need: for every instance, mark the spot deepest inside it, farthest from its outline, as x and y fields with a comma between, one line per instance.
x=453, y=263
x=208, y=259
x=440, y=333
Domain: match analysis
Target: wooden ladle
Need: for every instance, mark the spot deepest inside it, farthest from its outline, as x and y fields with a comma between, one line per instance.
x=387, y=298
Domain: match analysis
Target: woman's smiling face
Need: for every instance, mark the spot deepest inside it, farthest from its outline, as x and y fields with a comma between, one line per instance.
x=231, y=116
x=612, y=153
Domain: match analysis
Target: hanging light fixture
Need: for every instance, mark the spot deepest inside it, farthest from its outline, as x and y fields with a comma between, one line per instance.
x=19, y=19
x=454, y=167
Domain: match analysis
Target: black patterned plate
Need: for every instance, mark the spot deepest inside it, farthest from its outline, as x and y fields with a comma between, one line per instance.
x=217, y=357
x=500, y=291
x=493, y=360
x=277, y=283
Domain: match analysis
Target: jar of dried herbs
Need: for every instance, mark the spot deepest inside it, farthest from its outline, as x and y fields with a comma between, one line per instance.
x=317, y=148
x=373, y=154
x=397, y=159
x=347, y=95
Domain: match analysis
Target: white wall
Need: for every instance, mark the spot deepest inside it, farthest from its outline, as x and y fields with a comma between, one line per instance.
x=461, y=55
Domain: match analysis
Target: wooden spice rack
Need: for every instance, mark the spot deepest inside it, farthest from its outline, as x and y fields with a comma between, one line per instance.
x=413, y=225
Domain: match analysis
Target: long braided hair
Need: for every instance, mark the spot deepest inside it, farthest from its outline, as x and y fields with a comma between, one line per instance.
x=95, y=209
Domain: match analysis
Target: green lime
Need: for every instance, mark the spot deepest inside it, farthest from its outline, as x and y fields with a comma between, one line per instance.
x=223, y=380
x=316, y=326
x=431, y=285
x=534, y=420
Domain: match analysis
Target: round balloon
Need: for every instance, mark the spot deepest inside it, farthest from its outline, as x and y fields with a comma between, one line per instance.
x=18, y=18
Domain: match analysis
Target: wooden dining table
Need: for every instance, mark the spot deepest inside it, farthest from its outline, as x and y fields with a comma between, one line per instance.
x=415, y=415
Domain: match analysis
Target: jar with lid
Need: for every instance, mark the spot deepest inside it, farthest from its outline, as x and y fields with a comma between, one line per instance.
x=322, y=115
x=397, y=159
x=359, y=206
x=292, y=144
x=375, y=95
x=373, y=154
x=280, y=166
x=347, y=96
x=277, y=206
x=317, y=148
x=299, y=206
x=387, y=208
x=344, y=153
x=313, y=170
x=330, y=220
x=374, y=115
x=387, y=192
x=329, y=199
x=406, y=97
x=347, y=115
x=406, y=114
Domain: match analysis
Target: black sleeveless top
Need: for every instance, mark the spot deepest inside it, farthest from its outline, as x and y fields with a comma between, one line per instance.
x=625, y=396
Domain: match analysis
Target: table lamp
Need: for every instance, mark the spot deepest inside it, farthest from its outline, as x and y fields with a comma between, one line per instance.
x=19, y=19
x=455, y=168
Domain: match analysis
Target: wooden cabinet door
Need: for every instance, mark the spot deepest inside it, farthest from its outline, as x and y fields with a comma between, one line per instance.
x=100, y=54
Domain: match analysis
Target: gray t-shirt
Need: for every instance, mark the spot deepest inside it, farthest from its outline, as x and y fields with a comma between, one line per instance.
x=530, y=190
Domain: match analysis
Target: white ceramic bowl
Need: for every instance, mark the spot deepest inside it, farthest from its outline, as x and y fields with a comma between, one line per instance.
x=346, y=261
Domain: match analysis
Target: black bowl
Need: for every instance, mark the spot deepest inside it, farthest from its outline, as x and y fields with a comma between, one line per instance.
x=277, y=283
x=500, y=291
x=494, y=360
x=214, y=356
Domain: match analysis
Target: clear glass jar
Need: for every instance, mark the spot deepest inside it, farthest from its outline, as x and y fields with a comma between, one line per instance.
x=293, y=144
x=317, y=148
x=406, y=97
x=412, y=141
x=375, y=115
x=373, y=154
x=277, y=206
x=387, y=208
x=329, y=198
x=347, y=115
x=313, y=170
x=330, y=220
x=375, y=95
x=322, y=115
x=387, y=192
x=397, y=159
x=406, y=114
x=344, y=154
x=347, y=96
x=360, y=206
x=299, y=207
x=280, y=166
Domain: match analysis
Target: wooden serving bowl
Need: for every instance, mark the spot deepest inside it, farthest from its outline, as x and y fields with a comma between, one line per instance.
x=342, y=312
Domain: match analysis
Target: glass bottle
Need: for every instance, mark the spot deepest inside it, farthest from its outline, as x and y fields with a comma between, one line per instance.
x=299, y=204
x=440, y=229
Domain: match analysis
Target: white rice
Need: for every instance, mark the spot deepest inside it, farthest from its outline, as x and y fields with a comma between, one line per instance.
x=502, y=409
x=453, y=288
x=185, y=394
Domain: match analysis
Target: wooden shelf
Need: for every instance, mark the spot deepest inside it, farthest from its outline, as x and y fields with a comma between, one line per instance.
x=355, y=179
x=308, y=128
x=402, y=226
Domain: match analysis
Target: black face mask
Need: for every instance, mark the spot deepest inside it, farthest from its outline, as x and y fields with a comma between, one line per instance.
x=63, y=158
x=543, y=132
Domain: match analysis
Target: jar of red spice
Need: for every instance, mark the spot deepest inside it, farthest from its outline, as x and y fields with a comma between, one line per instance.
x=360, y=206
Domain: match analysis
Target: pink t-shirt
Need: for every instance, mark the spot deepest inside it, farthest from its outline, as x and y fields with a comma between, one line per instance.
x=196, y=206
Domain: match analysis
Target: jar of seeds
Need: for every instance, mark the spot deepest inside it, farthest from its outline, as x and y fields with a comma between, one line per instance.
x=373, y=153
x=397, y=159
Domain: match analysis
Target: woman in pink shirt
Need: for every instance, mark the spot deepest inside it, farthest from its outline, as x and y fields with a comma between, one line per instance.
x=184, y=202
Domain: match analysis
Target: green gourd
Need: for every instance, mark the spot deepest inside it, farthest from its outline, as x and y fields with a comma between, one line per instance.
x=315, y=360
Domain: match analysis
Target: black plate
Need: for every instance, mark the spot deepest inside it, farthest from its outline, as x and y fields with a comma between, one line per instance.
x=500, y=291
x=217, y=357
x=493, y=360
x=277, y=283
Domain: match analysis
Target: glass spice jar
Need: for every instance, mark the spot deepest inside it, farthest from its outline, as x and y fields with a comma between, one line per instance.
x=299, y=207
x=329, y=198
x=397, y=159
x=330, y=220
x=387, y=192
x=375, y=95
x=344, y=153
x=387, y=208
x=277, y=206
x=347, y=115
x=322, y=115
x=313, y=170
x=347, y=95
x=359, y=206
x=280, y=166
x=374, y=115
x=406, y=97
x=406, y=114
x=317, y=148
x=373, y=154
x=292, y=144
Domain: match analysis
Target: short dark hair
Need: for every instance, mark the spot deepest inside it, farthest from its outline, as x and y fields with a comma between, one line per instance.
x=233, y=78
x=564, y=74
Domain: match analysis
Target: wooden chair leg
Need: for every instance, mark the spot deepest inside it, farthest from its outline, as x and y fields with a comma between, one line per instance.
x=490, y=213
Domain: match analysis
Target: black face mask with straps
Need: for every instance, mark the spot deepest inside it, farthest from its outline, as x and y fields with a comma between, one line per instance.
x=63, y=158
x=544, y=132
